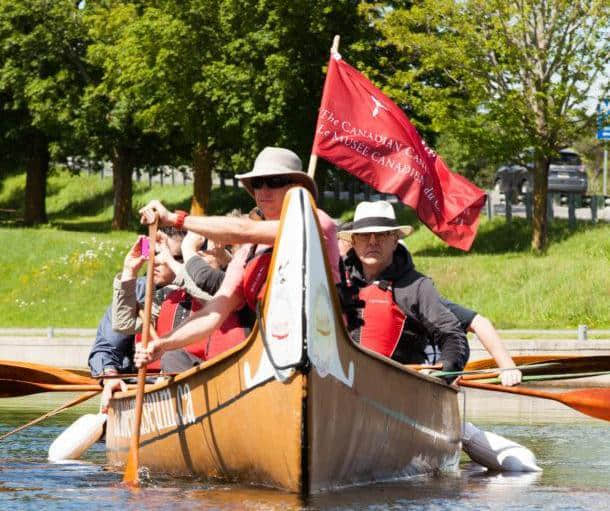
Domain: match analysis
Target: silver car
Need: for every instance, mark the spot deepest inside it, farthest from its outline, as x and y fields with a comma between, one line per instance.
x=566, y=174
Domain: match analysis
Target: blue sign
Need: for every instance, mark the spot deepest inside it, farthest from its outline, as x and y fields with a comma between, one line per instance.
x=603, y=119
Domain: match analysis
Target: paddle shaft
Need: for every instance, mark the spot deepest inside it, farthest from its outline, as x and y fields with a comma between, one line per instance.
x=560, y=366
x=490, y=363
x=130, y=476
x=511, y=390
x=593, y=402
x=153, y=332
x=66, y=405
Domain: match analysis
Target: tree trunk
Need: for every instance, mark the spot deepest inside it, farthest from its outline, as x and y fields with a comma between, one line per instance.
x=122, y=167
x=539, y=220
x=37, y=168
x=202, y=180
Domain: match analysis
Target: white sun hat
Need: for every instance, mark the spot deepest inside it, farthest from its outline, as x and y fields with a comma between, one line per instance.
x=277, y=161
x=375, y=216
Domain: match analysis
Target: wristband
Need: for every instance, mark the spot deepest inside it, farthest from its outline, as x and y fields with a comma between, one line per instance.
x=181, y=215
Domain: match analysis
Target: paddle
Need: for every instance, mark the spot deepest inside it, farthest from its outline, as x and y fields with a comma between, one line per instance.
x=130, y=477
x=61, y=408
x=571, y=365
x=539, y=377
x=488, y=363
x=592, y=402
x=27, y=371
x=16, y=388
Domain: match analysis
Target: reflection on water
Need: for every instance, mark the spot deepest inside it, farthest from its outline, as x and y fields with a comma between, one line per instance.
x=573, y=450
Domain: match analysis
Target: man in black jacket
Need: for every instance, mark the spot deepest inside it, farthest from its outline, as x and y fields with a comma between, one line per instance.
x=391, y=308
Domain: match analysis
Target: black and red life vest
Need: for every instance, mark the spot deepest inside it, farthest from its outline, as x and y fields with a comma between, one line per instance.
x=383, y=320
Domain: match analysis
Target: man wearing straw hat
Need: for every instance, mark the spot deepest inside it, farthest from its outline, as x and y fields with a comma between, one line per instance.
x=275, y=171
x=391, y=308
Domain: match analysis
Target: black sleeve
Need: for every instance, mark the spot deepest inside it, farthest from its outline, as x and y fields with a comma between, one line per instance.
x=464, y=315
x=443, y=327
x=203, y=275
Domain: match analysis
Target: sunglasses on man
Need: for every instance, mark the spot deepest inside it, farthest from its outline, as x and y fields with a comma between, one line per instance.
x=271, y=182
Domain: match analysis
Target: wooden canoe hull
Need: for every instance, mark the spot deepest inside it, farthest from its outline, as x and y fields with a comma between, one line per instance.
x=306, y=435
x=297, y=406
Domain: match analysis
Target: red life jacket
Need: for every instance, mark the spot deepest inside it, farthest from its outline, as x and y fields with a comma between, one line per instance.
x=383, y=319
x=229, y=334
x=255, y=276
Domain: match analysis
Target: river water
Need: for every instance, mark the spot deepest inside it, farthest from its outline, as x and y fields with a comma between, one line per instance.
x=573, y=450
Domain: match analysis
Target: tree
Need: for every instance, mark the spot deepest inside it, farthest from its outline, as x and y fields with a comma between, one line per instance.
x=516, y=74
x=131, y=72
x=266, y=80
x=241, y=75
x=42, y=74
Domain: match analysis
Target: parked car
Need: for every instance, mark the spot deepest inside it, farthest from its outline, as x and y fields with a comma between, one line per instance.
x=566, y=174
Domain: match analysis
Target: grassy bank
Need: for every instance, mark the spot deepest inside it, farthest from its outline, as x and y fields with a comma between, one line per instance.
x=60, y=274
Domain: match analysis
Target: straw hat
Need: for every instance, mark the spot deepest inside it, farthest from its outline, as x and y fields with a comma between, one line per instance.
x=376, y=216
x=277, y=161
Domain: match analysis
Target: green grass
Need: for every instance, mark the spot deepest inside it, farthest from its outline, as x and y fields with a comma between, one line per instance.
x=503, y=280
x=58, y=278
x=61, y=274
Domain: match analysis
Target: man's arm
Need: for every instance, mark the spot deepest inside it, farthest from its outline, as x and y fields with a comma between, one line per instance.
x=221, y=229
x=124, y=299
x=490, y=339
x=203, y=275
x=124, y=306
x=443, y=327
x=232, y=230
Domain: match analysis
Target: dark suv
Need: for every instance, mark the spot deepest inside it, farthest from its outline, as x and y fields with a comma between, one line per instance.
x=566, y=174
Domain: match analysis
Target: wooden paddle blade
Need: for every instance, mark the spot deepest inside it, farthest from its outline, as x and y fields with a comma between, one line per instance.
x=26, y=371
x=591, y=402
x=16, y=388
x=490, y=363
x=130, y=476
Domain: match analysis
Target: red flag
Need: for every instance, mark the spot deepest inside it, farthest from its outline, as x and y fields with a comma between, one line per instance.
x=361, y=130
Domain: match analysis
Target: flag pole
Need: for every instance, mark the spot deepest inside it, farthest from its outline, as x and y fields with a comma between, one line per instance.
x=313, y=159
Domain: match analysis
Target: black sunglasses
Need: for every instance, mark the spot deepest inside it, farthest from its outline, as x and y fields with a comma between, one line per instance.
x=271, y=182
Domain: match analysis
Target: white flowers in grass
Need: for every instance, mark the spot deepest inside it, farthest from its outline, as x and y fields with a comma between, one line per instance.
x=94, y=250
x=22, y=304
x=77, y=268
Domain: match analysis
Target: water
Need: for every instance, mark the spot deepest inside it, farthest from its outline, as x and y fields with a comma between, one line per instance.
x=574, y=452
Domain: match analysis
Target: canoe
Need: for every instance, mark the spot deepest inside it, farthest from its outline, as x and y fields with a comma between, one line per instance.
x=297, y=405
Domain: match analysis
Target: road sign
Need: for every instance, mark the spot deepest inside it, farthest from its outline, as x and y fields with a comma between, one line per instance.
x=603, y=119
